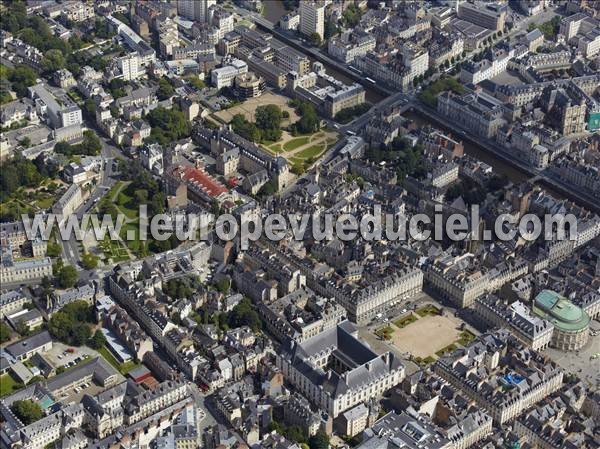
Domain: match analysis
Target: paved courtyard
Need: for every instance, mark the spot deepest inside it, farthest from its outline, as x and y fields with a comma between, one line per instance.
x=427, y=335
x=581, y=362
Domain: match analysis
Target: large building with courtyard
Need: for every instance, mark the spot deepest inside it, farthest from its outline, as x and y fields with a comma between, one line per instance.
x=336, y=371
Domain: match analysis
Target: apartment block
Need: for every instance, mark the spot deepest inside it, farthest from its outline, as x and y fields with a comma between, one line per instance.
x=501, y=375
x=312, y=18
x=477, y=112
x=530, y=329
x=60, y=115
x=487, y=15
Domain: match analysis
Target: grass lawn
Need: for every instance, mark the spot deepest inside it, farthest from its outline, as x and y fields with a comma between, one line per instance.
x=403, y=322
x=8, y=385
x=134, y=245
x=18, y=207
x=124, y=199
x=297, y=164
x=466, y=337
x=447, y=350
x=426, y=361
x=385, y=332
x=296, y=143
x=123, y=368
x=313, y=151
x=276, y=148
x=427, y=310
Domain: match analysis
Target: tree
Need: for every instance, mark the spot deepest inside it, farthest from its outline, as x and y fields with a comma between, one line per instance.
x=290, y=4
x=267, y=189
x=89, y=261
x=19, y=172
x=315, y=39
x=196, y=82
x=4, y=333
x=70, y=324
x=26, y=410
x=168, y=125
x=165, y=89
x=268, y=120
x=331, y=29
x=22, y=329
x=90, y=145
x=182, y=287
x=351, y=15
x=25, y=142
x=117, y=87
x=244, y=314
x=223, y=285
x=122, y=17
x=97, y=341
x=67, y=276
x=21, y=78
x=53, y=61
x=244, y=128
x=309, y=120
x=319, y=441
x=76, y=43
x=347, y=114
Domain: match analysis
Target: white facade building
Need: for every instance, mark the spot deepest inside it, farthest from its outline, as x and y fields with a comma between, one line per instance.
x=195, y=9
x=129, y=66
x=312, y=18
x=225, y=76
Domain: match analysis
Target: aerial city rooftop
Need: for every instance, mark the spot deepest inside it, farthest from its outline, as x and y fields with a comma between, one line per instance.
x=179, y=182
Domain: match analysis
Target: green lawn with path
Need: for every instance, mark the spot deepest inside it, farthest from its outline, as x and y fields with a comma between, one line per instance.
x=296, y=143
x=134, y=245
x=113, y=250
x=309, y=152
x=276, y=148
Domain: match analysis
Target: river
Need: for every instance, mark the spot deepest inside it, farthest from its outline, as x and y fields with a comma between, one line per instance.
x=512, y=173
x=274, y=10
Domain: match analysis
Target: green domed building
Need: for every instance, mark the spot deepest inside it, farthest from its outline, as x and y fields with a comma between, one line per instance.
x=571, y=323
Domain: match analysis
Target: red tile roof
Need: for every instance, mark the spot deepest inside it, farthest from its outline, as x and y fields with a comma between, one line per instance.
x=201, y=179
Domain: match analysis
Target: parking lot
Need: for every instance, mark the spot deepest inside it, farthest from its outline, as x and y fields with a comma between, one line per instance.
x=68, y=356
